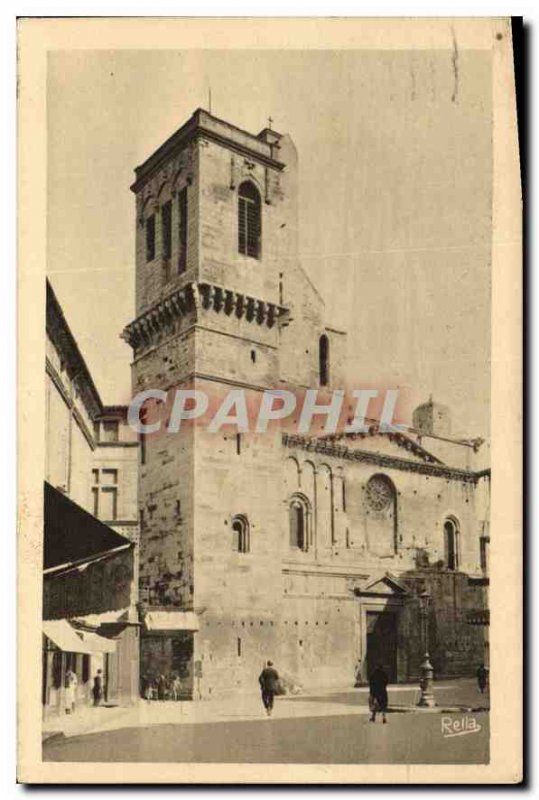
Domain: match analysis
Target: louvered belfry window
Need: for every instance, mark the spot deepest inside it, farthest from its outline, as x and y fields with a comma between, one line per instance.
x=249, y=220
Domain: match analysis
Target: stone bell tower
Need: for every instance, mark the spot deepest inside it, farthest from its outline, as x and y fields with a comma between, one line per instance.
x=216, y=267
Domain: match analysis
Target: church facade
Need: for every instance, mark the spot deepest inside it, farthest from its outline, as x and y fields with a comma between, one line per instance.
x=326, y=553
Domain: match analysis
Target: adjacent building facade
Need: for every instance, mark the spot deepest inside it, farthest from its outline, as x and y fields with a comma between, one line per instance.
x=316, y=551
x=90, y=578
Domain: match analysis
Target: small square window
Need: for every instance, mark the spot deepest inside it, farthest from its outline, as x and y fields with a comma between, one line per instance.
x=111, y=431
x=109, y=477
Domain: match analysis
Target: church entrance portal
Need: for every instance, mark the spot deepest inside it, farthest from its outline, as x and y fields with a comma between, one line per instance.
x=382, y=642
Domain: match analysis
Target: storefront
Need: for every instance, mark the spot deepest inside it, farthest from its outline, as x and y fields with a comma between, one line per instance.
x=66, y=649
x=90, y=621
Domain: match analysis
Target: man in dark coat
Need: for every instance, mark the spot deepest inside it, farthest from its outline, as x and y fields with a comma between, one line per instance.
x=97, y=689
x=482, y=678
x=269, y=684
x=162, y=688
x=378, y=681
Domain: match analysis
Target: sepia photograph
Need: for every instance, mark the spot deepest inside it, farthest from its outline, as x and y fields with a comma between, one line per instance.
x=264, y=332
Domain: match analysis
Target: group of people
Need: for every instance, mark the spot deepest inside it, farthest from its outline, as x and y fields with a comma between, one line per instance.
x=70, y=687
x=162, y=687
x=378, y=680
x=270, y=686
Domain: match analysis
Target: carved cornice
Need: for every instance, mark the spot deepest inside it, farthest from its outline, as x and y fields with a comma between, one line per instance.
x=400, y=439
x=203, y=126
x=191, y=300
x=63, y=340
x=324, y=447
x=69, y=401
x=52, y=372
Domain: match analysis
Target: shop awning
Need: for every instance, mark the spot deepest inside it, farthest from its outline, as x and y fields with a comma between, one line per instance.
x=98, y=644
x=64, y=636
x=73, y=537
x=171, y=621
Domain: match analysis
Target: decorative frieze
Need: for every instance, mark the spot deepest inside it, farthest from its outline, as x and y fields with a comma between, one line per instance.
x=192, y=299
x=400, y=439
x=329, y=448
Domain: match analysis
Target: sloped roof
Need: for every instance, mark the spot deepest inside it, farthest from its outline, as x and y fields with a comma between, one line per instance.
x=398, y=438
x=62, y=337
x=72, y=535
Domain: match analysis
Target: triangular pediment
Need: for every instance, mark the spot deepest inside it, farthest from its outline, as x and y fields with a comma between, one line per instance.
x=396, y=445
x=386, y=584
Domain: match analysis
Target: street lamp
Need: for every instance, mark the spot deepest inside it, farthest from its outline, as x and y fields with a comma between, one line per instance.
x=426, y=699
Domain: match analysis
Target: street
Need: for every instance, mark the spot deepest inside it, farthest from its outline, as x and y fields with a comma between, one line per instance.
x=410, y=738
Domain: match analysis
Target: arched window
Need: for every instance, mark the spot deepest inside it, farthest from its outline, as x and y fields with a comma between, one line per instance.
x=451, y=544
x=323, y=355
x=240, y=534
x=249, y=220
x=300, y=519
x=381, y=512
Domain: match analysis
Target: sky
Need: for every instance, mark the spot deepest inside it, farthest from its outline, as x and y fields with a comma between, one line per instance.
x=395, y=198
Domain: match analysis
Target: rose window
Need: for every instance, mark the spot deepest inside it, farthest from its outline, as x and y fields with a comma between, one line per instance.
x=379, y=493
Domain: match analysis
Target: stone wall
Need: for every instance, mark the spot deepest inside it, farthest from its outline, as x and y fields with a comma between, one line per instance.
x=303, y=608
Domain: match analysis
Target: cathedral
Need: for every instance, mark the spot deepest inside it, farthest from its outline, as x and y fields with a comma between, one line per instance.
x=325, y=552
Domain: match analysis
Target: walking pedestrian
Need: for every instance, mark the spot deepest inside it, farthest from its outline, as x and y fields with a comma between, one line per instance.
x=482, y=678
x=162, y=688
x=71, y=683
x=97, y=689
x=269, y=684
x=151, y=689
x=175, y=688
x=378, y=681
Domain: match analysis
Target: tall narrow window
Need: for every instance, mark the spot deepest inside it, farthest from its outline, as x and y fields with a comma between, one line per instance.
x=299, y=522
x=142, y=436
x=150, y=238
x=95, y=492
x=483, y=552
x=382, y=515
x=182, y=230
x=249, y=220
x=240, y=534
x=166, y=229
x=451, y=555
x=105, y=493
x=323, y=355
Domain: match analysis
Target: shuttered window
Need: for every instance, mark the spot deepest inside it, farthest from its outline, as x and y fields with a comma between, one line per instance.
x=249, y=220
